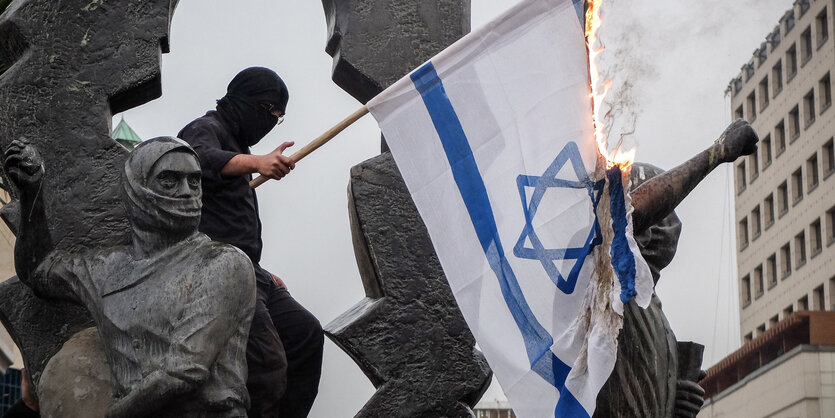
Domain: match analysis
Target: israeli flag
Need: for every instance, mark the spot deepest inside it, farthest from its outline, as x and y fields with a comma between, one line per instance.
x=494, y=139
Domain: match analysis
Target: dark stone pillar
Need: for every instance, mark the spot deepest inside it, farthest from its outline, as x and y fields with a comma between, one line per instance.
x=408, y=334
x=66, y=67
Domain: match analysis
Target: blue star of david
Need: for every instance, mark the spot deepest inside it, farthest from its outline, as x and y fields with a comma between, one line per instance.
x=541, y=184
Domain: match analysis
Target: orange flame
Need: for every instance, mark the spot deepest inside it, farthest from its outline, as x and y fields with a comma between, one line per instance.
x=599, y=89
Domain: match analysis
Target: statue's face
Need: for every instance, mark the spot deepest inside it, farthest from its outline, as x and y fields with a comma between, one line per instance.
x=177, y=175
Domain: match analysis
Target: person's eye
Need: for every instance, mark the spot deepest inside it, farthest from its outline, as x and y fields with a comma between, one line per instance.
x=194, y=180
x=166, y=180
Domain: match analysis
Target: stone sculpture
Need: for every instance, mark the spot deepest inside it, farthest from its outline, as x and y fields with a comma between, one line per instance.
x=173, y=308
x=654, y=375
x=647, y=348
x=65, y=67
x=408, y=335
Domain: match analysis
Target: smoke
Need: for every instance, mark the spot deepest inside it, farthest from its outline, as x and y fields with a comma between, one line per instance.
x=625, y=63
x=644, y=37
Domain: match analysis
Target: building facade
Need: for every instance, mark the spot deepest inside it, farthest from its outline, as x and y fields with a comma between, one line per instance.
x=785, y=193
x=494, y=409
x=788, y=372
x=785, y=225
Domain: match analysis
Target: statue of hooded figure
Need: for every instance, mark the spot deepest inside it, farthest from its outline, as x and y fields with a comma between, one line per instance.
x=173, y=309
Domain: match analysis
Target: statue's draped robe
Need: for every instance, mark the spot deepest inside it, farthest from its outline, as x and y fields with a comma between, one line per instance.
x=160, y=315
x=643, y=383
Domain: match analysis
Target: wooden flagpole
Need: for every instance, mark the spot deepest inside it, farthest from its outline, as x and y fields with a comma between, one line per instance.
x=318, y=142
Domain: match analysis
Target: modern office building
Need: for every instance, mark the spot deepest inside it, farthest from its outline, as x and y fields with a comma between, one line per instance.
x=785, y=193
x=493, y=409
x=787, y=372
x=785, y=225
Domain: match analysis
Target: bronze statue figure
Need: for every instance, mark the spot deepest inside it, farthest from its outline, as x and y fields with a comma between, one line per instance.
x=173, y=309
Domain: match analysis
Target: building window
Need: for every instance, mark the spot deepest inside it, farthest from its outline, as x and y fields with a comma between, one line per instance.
x=822, y=27
x=760, y=330
x=745, y=291
x=741, y=181
x=768, y=210
x=815, y=238
x=756, y=226
x=791, y=62
x=749, y=337
x=788, y=21
x=794, y=124
x=818, y=302
x=788, y=311
x=751, y=105
x=748, y=69
x=825, y=90
x=763, y=94
x=754, y=160
x=782, y=199
x=759, y=288
x=780, y=137
x=771, y=270
x=812, y=178
x=809, y=108
x=773, y=321
x=828, y=156
x=832, y=294
x=800, y=249
x=765, y=149
x=743, y=233
x=762, y=55
x=804, y=6
x=806, y=46
x=797, y=186
x=774, y=38
x=830, y=226
x=785, y=261
x=803, y=303
x=738, y=113
x=777, y=78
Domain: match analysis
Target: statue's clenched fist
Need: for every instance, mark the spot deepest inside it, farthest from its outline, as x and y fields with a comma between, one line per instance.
x=23, y=164
x=738, y=139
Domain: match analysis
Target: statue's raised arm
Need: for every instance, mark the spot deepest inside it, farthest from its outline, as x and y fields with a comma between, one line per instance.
x=656, y=198
x=25, y=168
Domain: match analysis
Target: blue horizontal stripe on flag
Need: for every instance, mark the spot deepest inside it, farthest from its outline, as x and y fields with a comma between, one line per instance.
x=474, y=194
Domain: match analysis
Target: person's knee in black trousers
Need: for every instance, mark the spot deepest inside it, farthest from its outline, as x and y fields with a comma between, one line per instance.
x=303, y=340
x=266, y=363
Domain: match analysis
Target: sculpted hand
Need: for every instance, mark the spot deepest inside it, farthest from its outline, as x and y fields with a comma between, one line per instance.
x=276, y=165
x=689, y=399
x=738, y=139
x=23, y=164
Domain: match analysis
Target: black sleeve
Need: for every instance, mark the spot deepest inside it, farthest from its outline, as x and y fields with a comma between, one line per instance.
x=20, y=410
x=206, y=143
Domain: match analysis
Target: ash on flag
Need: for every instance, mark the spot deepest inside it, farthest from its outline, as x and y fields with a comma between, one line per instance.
x=495, y=140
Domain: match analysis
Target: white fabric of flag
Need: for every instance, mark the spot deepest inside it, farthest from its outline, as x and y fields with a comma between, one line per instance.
x=494, y=139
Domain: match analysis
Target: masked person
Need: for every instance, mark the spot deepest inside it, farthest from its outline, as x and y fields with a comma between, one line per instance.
x=254, y=104
x=172, y=309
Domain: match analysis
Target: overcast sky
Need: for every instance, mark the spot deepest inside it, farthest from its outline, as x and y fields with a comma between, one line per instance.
x=682, y=54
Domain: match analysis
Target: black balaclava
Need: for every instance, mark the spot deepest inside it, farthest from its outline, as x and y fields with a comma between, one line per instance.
x=157, y=219
x=243, y=104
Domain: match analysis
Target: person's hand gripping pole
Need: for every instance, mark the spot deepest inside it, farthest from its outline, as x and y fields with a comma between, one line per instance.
x=312, y=146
